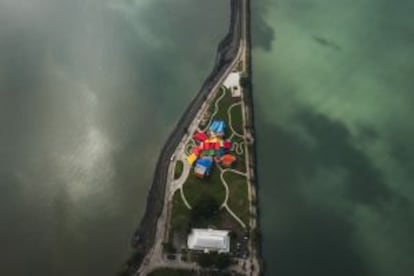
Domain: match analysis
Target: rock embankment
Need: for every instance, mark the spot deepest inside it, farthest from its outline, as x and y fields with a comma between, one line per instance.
x=250, y=129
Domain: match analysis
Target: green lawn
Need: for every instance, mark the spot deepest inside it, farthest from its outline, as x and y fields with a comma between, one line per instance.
x=189, y=146
x=237, y=119
x=195, y=189
x=238, y=197
x=224, y=103
x=180, y=214
x=179, y=165
x=240, y=164
x=211, y=108
x=216, y=97
x=224, y=221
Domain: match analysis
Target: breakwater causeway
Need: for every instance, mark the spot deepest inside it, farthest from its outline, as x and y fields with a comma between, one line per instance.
x=144, y=237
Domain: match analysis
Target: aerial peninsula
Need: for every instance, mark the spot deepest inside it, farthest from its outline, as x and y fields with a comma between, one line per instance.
x=201, y=216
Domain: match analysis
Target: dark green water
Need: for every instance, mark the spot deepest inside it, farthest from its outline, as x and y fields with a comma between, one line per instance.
x=90, y=89
x=88, y=92
x=334, y=104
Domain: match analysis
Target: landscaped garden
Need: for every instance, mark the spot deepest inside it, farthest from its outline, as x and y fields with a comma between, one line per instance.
x=209, y=202
x=238, y=197
x=196, y=189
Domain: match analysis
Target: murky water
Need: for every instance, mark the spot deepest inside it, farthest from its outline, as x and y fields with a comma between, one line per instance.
x=333, y=87
x=88, y=92
x=90, y=89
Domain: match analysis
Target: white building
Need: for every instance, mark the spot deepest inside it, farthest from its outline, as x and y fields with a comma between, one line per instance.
x=232, y=82
x=209, y=240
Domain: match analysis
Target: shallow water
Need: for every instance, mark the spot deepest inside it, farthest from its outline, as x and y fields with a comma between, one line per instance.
x=333, y=89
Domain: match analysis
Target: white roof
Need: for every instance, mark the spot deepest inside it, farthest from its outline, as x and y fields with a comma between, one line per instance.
x=233, y=79
x=232, y=82
x=200, y=170
x=209, y=240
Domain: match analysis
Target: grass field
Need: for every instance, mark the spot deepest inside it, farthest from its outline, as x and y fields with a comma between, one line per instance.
x=238, y=196
x=240, y=164
x=181, y=218
x=224, y=105
x=195, y=189
x=179, y=165
x=237, y=119
x=180, y=214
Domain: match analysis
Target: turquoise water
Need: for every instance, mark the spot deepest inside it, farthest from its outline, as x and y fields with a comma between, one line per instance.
x=333, y=83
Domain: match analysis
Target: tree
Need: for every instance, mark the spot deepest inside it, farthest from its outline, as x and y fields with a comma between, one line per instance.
x=245, y=82
x=213, y=259
x=169, y=248
x=205, y=209
x=181, y=223
x=206, y=260
x=222, y=261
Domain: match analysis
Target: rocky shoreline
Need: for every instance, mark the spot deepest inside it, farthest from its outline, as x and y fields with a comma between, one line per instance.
x=144, y=236
x=250, y=127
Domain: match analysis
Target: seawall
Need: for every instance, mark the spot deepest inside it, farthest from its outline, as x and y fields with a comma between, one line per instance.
x=250, y=127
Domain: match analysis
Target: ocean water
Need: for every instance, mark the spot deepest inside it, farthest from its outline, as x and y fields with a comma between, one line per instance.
x=333, y=86
x=89, y=91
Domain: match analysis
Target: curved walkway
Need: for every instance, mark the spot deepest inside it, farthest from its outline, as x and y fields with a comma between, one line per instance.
x=235, y=216
x=178, y=183
x=230, y=120
x=238, y=148
x=188, y=148
x=216, y=108
x=225, y=205
x=235, y=171
x=184, y=199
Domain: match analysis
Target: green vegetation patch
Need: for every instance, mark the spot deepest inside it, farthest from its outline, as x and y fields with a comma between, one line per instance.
x=237, y=119
x=224, y=102
x=178, y=171
x=238, y=200
x=213, y=259
x=219, y=94
x=171, y=272
x=196, y=189
x=224, y=105
x=240, y=164
x=189, y=146
x=222, y=220
x=180, y=214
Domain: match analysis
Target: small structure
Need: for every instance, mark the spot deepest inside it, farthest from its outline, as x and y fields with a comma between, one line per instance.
x=191, y=158
x=217, y=128
x=200, y=136
x=203, y=166
x=227, y=145
x=210, y=147
x=209, y=240
x=232, y=82
x=227, y=160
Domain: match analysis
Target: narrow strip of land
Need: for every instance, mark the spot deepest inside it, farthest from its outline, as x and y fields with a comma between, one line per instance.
x=231, y=187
